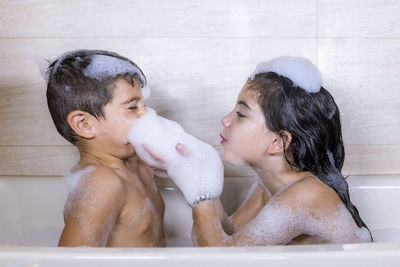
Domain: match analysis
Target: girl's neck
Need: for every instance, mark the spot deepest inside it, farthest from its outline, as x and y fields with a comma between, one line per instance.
x=277, y=175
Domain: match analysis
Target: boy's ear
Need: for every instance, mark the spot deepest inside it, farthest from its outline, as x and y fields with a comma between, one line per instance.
x=83, y=123
x=280, y=143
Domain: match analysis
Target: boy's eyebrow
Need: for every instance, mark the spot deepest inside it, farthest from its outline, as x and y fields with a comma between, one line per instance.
x=241, y=102
x=135, y=98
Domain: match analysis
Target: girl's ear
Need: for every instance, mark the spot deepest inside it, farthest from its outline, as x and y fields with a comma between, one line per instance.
x=280, y=143
x=83, y=123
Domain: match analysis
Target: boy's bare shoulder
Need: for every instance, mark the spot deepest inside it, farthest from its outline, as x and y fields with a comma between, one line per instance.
x=104, y=180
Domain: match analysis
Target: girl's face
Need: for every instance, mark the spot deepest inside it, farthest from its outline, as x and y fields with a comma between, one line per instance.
x=245, y=136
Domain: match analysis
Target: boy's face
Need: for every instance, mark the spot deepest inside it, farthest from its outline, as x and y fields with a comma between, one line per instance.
x=124, y=108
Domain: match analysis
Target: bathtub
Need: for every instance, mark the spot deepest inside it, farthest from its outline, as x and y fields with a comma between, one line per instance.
x=31, y=221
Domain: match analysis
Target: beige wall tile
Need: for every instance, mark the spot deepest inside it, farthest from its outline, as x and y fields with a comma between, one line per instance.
x=291, y=18
x=359, y=18
x=23, y=106
x=46, y=18
x=363, y=77
x=359, y=160
x=197, y=55
x=37, y=161
x=372, y=159
x=29, y=128
x=58, y=160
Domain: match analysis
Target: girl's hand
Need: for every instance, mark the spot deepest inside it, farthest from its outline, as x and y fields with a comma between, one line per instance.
x=159, y=160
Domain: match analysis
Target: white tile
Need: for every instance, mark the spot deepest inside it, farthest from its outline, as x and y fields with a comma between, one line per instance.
x=46, y=18
x=359, y=18
x=290, y=18
x=363, y=77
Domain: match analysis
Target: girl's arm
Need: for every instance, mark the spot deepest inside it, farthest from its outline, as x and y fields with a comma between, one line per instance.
x=246, y=212
x=276, y=224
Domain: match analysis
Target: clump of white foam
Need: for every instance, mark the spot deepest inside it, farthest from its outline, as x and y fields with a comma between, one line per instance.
x=279, y=223
x=145, y=92
x=102, y=66
x=73, y=179
x=198, y=175
x=301, y=71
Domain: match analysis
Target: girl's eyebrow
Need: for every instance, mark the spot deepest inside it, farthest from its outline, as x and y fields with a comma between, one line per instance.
x=135, y=98
x=241, y=102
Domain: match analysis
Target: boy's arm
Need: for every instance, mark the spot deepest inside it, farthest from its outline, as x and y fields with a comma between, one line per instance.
x=94, y=210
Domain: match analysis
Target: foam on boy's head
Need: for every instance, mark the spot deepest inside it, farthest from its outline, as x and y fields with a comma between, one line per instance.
x=103, y=64
x=302, y=72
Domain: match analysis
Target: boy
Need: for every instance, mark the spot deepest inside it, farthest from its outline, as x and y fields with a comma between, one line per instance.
x=94, y=97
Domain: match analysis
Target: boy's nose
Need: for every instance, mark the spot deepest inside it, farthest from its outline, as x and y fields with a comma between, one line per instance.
x=143, y=111
x=226, y=122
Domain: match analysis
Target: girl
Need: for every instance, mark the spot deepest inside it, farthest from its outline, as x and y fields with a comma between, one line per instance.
x=286, y=127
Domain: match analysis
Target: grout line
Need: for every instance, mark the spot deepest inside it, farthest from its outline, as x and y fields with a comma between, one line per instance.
x=93, y=21
x=199, y=37
x=31, y=175
x=157, y=178
x=36, y=146
x=316, y=33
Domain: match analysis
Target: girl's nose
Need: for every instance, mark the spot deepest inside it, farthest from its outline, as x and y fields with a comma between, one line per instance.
x=226, y=121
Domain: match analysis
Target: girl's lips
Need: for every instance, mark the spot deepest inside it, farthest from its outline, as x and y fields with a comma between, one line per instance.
x=223, y=139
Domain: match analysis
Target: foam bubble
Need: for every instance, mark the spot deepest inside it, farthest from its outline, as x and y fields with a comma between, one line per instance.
x=73, y=179
x=196, y=175
x=301, y=71
x=278, y=224
x=102, y=66
x=146, y=92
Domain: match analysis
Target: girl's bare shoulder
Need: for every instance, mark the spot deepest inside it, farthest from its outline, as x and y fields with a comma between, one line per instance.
x=310, y=193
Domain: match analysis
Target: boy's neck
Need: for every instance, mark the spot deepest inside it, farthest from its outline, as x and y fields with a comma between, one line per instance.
x=90, y=156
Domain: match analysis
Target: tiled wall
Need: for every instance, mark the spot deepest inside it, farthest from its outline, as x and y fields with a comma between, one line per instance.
x=197, y=55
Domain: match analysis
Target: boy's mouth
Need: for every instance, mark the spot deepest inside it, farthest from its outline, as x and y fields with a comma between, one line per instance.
x=223, y=139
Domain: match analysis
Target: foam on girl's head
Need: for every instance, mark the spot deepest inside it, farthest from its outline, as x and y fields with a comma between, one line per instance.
x=302, y=72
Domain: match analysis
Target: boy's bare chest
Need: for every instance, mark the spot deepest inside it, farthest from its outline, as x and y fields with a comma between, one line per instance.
x=143, y=212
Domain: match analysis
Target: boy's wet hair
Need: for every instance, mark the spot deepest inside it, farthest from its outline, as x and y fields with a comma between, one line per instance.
x=69, y=89
x=313, y=120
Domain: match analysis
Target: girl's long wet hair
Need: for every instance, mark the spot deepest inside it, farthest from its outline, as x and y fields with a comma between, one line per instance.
x=313, y=120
